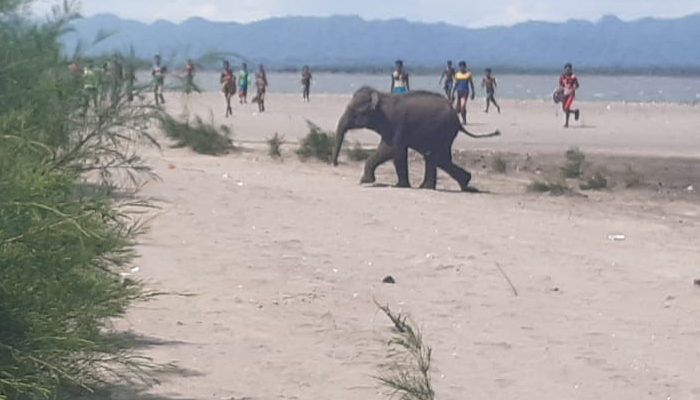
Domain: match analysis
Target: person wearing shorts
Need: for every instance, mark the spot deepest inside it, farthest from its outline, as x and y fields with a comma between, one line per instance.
x=228, y=86
x=463, y=86
x=568, y=83
x=243, y=84
x=158, y=73
x=489, y=83
x=306, y=83
x=448, y=74
x=399, y=79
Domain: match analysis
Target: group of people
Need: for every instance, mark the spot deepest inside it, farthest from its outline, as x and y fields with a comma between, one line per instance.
x=459, y=88
x=458, y=84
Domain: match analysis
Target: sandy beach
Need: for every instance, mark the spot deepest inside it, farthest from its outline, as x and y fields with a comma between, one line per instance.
x=282, y=261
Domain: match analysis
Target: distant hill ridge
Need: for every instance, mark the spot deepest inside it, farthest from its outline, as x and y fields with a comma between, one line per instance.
x=610, y=43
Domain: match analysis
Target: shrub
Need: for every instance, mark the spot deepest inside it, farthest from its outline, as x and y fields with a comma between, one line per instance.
x=499, y=164
x=597, y=181
x=574, y=166
x=358, y=153
x=202, y=137
x=554, y=188
x=67, y=226
x=408, y=372
x=275, y=145
x=316, y=144
x=631, y=177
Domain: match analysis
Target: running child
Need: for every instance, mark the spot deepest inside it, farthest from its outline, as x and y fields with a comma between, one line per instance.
x=462, y=85
x=568, y=83
x=489, y=83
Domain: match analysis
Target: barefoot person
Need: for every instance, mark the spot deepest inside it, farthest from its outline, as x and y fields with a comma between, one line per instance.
x=158, y=72
x=399, y=79
x=190, y=70
x=463, y=84
x=228, y=86
x=306, y=82
x=261, y=86
x=568, y=83
x=489, y=83
x=448, y=74
x=243, y=84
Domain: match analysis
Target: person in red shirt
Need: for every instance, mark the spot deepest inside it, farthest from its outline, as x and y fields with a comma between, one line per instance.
x=568, y=83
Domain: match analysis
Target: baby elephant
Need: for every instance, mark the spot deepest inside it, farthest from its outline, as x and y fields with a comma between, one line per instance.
x=422, y=121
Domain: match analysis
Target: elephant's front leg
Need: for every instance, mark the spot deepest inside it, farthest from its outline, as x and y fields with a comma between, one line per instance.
x=401, y=164
x=383, y=154
x=430, y=179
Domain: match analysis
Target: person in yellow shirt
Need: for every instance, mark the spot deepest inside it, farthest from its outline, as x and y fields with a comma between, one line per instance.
x=463, y=86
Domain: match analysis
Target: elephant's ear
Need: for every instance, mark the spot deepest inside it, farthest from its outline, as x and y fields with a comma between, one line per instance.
x=375, y=100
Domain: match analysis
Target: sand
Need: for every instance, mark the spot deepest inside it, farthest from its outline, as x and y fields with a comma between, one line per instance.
x=284, y=259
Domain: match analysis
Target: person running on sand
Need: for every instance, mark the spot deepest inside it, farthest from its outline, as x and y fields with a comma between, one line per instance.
x=568, y=83
x=243, y=84
x=261, y=86
x=463, y=84
x=158, y=72
x=448, y=74
x=399, y=79
x=228, y=86
x=306, y=82
x=489, y=83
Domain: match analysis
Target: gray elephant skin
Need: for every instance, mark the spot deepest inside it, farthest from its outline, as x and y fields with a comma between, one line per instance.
x=422, y=121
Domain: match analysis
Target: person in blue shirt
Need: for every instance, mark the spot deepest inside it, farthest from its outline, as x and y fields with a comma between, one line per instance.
x=463, y=86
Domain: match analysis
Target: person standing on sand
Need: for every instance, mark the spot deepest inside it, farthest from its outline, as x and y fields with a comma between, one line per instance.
x=228, y=86
x=448, y=74
x=158, y=72
x=190, y=70
x=243, y=84
x=117, y=78
x=261, y=86
x=463, y=84
x=399, y=79
x=568, y=83
x=306, y=82
x=489, y=83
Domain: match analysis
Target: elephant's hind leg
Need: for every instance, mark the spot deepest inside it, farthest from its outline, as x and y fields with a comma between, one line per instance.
x=401, y=165
x=383, y=154
x=430, y=179
x=455, y=171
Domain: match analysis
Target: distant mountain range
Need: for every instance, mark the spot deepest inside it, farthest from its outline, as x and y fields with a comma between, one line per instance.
x=351, y=42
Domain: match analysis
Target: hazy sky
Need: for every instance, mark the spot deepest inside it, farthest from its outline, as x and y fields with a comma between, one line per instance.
x=460, y=12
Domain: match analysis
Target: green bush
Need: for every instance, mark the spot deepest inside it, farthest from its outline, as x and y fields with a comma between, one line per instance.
x=316, y=144
x=408, y=371
x=575, y=162
x=499, y=164
x=275, y=145
x=358, y=153
x=68, y=170
x=202, y=137
x=597, y=181
x=553, y=188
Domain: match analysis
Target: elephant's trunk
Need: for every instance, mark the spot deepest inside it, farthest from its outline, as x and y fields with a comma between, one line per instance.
x=339, y=137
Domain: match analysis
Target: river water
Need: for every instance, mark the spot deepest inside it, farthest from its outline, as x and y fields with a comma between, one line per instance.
x=593, y=87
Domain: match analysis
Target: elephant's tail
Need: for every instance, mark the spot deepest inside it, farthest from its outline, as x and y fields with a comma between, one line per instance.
x=486, y=135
